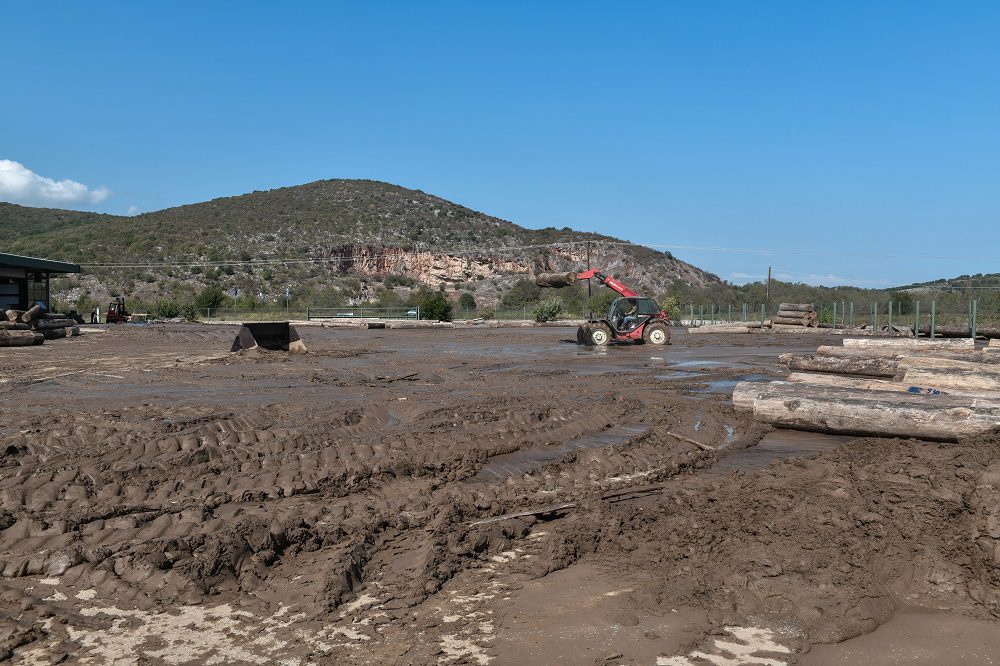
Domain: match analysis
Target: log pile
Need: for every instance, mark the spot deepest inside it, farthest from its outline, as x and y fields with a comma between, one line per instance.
x=23, y=328
x=795, y=314
x=939, y=390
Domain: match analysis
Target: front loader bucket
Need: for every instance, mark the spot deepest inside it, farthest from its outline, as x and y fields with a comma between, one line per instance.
x=275, y=336
x=555, y=279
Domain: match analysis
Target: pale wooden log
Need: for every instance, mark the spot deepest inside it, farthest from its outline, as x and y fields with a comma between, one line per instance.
x=797, y=314
x=799, y=307
x=20, y=338
x=965, y=380
x=745, y=395
x=49, y=324
x=785, y=328
x=994, y=343
x=892, y=386
x=12, y=315
x=935, y=363
x=876, y=366
x=909, y=343
x=719, y=329
x=13, y=326
x=964, y=354
x=849, y=411
x=73, y=331
x=31, y=314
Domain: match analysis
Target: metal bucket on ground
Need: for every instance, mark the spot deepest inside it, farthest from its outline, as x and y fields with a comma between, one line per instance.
x=274, y=336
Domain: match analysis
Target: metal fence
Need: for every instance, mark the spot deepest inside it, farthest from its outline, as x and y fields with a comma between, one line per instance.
x=924, y=316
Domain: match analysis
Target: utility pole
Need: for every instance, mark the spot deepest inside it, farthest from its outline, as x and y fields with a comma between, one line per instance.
x=589, y=294
x=768, y=288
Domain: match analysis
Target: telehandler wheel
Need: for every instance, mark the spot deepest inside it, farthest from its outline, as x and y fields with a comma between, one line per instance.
x=656, y=334
x=581, y=335
x=600, y=335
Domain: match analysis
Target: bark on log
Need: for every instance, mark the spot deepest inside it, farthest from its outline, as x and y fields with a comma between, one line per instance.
x=13, y=326
x=785, y=328
x=851, y=412
x=862, y=384
x=53, y=333
x=73, y=331
x=869, y=367
x=994, y=342
x=954, y=378
x=933, y=363
x=719, y=329
x=20, y=338
x=798, y=307
x=961, y=353
x=31, y=314
x=960, y=332
x=795, y=314
x=908, y=343
x=49, y=324
x=12, y=315
x=792, y=321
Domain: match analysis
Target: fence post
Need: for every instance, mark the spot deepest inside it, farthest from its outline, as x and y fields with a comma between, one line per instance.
x=835, y=315
x=730, y=313
x=745, y=315
x=875, y=315
x=762, y=314
x=890, y=316
x=916, y=321
x=852, y=314
x=975, y=307
x=933, y=317
x=307, y=313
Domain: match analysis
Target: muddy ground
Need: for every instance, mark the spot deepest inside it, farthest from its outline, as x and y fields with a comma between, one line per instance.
x=162, y=501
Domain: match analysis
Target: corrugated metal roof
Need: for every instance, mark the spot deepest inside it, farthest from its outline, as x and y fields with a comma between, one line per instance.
x=33, y=263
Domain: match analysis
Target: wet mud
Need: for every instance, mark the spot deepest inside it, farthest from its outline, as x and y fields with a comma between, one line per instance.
x=161, y=498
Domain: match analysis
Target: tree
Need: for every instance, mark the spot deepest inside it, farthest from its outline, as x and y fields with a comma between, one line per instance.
x=210, y=297
x=467, y=301
x=548, y=310
x=436, y=306
x=524, y=292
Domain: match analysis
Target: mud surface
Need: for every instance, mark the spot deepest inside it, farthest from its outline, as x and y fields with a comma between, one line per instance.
x=164, y=501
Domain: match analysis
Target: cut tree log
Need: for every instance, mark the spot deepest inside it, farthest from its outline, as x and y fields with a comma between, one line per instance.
x=793, y=321
x=20, y=338
x=53, y=333
x=909, y=343
x=935, y=363
x=798, y=307
x=13, y=326
x=961, y=354
x=954, y=378
x=859, y=383
x=796, y=314
x=49, y=324
x=876, y=366
x=12, y=315
x=960, y=332
x=852, y=412
x=719, y=329
x=31, y=314
x=995, y=343
x=785, y=328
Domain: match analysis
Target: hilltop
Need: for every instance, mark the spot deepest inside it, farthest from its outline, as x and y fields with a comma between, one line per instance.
x=314, y=237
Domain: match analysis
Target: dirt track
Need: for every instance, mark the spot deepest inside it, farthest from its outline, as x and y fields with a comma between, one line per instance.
x=163, y=498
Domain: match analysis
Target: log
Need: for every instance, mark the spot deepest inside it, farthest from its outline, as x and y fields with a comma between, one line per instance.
x=876, y=366
x=798, y=307
x=12, y=315
x=955, y=378
x=719, y=329
x=960, y=332
x=862, y=384
x=908, y=343
x=994, y=343
x=796, y=314
x=48, y=324
x=13, y=326
x=20, y=338
x=792, y=321
x=933, y=363
x=53, y=333
x=852, y=412
x=785, y=328
x=31, y=314
x=961, y=354
x=73, y=331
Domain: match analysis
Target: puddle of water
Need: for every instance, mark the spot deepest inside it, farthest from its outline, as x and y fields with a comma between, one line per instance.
x=678, y=374
x=696, y=363
x=776, y=445
x=727, y=385
x=523, y=461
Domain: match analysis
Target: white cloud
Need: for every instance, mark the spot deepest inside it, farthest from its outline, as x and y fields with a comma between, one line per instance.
x=814, y=279
x=132, y=210
x=19, y=184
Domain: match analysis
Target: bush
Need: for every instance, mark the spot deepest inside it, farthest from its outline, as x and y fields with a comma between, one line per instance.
x=210, y=297
x=487, y=313
x=548, y=309
x=436, y=306
x=467, y=301
x=166, y=308
x=524, y=292
x=398, y=281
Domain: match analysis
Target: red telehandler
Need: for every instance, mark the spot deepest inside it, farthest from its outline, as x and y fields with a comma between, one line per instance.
x=631, y=318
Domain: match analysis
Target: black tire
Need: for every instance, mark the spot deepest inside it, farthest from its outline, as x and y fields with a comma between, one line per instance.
x=656, y=334
x=600, y=335
x=582, y=333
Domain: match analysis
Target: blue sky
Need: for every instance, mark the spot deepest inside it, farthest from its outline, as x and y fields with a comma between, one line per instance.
x=854, y=142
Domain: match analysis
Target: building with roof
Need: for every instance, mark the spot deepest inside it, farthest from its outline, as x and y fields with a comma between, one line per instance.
x=24, y=281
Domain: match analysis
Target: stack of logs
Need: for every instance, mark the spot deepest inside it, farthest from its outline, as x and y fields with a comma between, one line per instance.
x=24, y=328
x=795, y=314
x=928, y=389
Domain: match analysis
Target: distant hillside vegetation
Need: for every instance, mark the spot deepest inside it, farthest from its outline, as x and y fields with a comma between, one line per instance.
x=359, y=231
